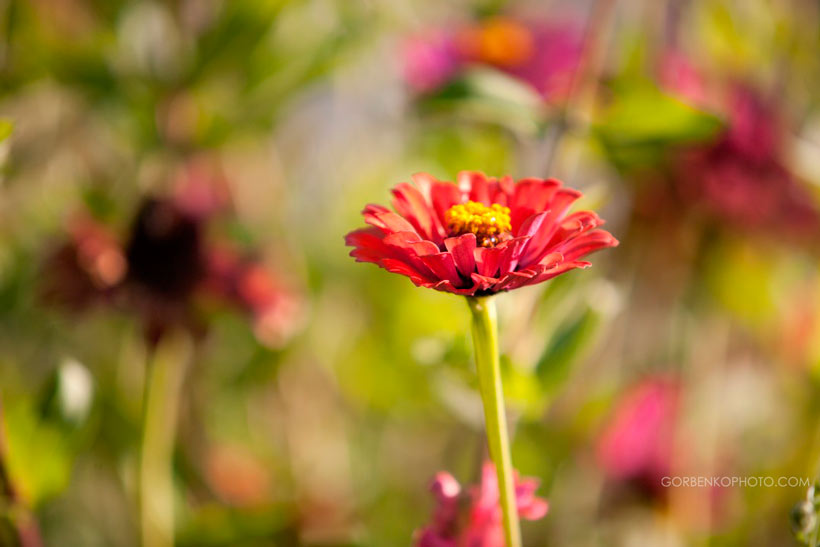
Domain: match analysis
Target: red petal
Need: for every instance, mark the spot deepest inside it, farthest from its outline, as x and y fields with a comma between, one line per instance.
x=557, y=210
x=558, y=270
x=531, y=196
x=463, y=250
x=581, y=221
x=483, y=283
x=424, y=182
x=410, y=241
x=513, y=280
x=506, y=189
x=409, y=247
x=447, y=286
x=443, y=196
x=487, y=260
x=368, y=244
x=575, y=224
x=476, y=186
x=550, y=261
x=587, y=243
x=397, y=266
x=511, y=252
x=443, y=266
x=387, y=221
x=411, y=204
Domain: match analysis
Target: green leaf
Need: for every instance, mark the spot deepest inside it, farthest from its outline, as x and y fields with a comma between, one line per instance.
x=39, y=457
x=489, y=96
x=642, y=122
x=565, y=348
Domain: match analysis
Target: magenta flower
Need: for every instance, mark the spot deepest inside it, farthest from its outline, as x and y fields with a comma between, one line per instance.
x=430, y=60
x=542, y=55
x=637, y=444
x=741, y=177
x=550, y=68
x=678, y=76
x=481, y=524
x=481, y=236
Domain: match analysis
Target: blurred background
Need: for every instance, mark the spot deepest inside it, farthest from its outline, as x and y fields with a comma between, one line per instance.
x=182, y=332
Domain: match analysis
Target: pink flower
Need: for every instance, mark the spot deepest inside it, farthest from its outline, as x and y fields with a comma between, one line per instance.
x=741, y=178
x=481, y=524
x=637, y=443
x=430, y=60
x=550, y=67
x=543, y=55
x=678, y=76
x=481, y=236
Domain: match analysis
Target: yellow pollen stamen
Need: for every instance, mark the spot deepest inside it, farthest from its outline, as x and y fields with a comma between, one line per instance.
x=489, y=224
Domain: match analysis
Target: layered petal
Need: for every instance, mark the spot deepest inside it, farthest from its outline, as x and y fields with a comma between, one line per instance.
x=475, y=519
x=538, y=241
x=463, y=251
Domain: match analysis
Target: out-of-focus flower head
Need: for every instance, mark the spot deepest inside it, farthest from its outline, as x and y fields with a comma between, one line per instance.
x=430, y=60
x=475, y=520
x=237, y=476
x=201, y=189
x=638, y=442
x=543, y=55
x=86, y=267
x=741, y=177
x=678, y=76
x=166, y=260
x=276, y=311
x=480, y=236
x=165, y=255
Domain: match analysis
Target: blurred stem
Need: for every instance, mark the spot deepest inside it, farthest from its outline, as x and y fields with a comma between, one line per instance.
x=162, y=401
x=485, y=341
x=576, y=114
x=21, y=518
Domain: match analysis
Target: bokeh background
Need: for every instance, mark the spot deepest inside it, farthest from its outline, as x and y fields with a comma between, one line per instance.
x=175, y=191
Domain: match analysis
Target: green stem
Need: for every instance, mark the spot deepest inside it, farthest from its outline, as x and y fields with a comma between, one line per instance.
x=162, y=401
x=485, y=341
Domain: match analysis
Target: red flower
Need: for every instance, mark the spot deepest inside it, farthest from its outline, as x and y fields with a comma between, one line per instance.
x=479, y=237
x=482, y=526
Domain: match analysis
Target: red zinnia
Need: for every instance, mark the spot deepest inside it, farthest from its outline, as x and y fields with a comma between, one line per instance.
x=480, y=236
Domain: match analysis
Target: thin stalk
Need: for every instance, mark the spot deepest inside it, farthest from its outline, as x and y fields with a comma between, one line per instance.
x=162, y=401
x=485, y=341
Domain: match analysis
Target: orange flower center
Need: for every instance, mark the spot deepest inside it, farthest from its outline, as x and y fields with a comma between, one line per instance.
x=489, y=224
x=499, y=41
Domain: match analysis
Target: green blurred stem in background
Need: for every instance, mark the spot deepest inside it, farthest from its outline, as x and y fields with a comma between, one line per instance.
x=162, y=401
x=485, y=341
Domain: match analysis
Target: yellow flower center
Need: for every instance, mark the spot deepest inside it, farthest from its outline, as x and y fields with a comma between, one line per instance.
x=489, y=224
